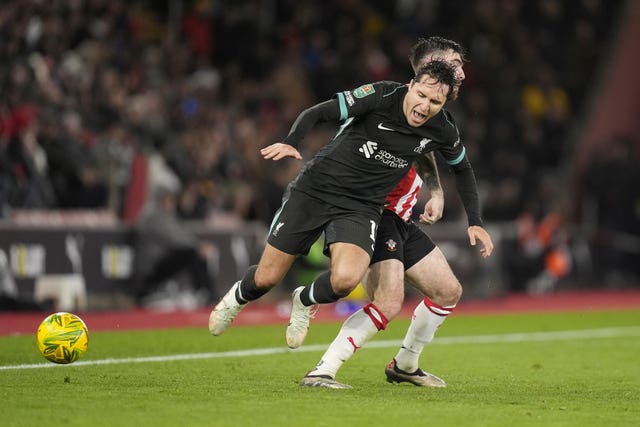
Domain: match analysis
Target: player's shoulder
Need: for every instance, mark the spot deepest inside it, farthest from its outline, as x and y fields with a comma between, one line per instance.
x=390, y=84
x=383, y=92
x=388, y=87
x=448, y=120
x=379, y=88
x=446, y=126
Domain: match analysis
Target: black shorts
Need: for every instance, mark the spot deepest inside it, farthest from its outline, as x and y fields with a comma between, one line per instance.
x=400, y=240
x=301, y=220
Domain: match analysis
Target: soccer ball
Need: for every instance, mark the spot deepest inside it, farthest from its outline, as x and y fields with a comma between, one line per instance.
x=62, y=338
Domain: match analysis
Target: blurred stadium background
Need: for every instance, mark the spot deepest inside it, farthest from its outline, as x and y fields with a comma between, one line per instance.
x=106, y=105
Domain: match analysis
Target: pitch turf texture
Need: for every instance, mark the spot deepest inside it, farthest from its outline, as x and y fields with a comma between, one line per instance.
x=578, y=369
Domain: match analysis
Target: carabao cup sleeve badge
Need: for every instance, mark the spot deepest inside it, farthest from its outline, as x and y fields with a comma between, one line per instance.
x=363, y=91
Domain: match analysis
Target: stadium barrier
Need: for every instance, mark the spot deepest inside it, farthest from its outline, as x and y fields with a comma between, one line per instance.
x=88, y=263
x=85, y=263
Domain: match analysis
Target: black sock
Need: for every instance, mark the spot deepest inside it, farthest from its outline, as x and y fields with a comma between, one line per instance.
x=322, y=291
x=248, y=291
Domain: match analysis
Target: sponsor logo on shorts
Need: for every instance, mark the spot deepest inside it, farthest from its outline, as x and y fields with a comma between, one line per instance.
x=392, y=245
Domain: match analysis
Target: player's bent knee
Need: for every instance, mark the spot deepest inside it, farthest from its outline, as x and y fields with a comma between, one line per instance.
x=448, y=295
x=344, y=283
x=390, y=310
x=452, y=294
x=387, y=307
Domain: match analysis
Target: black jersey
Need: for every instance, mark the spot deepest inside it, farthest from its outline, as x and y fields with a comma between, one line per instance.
x=374, y=147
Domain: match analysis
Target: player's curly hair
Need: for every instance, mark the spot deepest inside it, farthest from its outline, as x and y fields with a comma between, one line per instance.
x=425, y=47
x=442, y=72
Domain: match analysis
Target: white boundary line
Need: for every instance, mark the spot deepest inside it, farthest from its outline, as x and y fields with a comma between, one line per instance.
x=629, y=331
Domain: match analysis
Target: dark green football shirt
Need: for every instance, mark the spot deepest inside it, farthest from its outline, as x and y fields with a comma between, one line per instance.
x=374, y=147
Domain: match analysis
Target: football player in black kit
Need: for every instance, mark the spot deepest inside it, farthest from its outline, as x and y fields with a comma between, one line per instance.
x=404, y=254
x=341, y=191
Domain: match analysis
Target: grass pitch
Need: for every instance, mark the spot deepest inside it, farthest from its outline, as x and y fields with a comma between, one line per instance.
x=578, y=369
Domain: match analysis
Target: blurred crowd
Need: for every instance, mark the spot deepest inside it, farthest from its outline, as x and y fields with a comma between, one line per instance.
x=197, y=87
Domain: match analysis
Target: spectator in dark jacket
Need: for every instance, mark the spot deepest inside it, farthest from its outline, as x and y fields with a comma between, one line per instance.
x=166, y=247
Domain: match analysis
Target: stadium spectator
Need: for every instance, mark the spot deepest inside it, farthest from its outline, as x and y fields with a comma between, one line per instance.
x=165, y=248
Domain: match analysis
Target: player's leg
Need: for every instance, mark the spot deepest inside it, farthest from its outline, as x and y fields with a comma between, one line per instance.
x=295, y=227
x=384, y=284
x=348, y=264
x=434, y=278
x=350, y=237
x=257, y=281
x=362, y=325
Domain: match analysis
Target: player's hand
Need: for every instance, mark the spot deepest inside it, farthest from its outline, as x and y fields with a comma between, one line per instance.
x=433, y=210
x=477, y=232
x=279, y=151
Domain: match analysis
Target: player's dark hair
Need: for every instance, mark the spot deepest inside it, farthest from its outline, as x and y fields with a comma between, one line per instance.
x=425, y=47
x=441, y=71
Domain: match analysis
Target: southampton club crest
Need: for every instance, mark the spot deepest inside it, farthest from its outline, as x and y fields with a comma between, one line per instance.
x=392, y=245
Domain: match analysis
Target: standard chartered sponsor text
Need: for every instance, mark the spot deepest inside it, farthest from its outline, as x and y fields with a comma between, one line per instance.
x=390, y=160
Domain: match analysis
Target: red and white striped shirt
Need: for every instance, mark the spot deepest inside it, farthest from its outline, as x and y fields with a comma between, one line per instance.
x=404, y=197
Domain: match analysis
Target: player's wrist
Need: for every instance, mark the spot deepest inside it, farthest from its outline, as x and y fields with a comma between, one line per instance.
x=437, y=193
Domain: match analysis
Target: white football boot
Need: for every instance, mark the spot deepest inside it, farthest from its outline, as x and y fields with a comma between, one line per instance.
x=225, y=311
x=299, y=320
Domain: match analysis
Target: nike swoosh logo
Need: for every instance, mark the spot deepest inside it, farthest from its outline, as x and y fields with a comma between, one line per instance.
x=383, y=127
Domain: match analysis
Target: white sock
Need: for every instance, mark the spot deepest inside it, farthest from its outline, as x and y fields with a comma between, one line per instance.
x=427, y=318
x=355, y=331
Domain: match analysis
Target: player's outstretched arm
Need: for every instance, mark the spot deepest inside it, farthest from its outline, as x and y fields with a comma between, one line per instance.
x=324, y=112
x=476, y=232
x=280, y=150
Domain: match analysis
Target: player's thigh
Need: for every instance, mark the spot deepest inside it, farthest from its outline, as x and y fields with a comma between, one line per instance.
x=356, y=228
x=384, y=283
x=390, y=239
x=350, y=238
x=433, y=276
x=349, y=262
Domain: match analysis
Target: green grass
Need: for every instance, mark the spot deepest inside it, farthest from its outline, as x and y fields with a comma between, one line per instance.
x=551, y=381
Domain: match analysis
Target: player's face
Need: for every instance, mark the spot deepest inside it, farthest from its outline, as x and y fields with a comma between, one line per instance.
x=452, y=58
x=424, y=99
